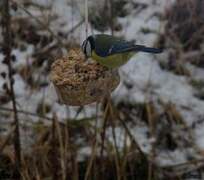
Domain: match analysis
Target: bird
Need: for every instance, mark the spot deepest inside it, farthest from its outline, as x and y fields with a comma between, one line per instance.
x=111, y=51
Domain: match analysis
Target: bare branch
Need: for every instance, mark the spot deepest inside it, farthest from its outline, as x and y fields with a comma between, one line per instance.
x=7, y=51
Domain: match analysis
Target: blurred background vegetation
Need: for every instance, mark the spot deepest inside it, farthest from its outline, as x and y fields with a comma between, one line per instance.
x=152, y=126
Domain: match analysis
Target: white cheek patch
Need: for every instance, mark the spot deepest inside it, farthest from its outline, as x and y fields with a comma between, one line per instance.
x=88, y=49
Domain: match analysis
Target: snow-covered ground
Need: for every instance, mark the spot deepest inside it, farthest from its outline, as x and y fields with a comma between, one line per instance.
x=150, y=82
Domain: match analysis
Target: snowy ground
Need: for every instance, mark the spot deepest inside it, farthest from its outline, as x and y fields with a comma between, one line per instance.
x=150, y=82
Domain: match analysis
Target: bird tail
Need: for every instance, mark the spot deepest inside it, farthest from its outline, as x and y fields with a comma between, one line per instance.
x=147, y=49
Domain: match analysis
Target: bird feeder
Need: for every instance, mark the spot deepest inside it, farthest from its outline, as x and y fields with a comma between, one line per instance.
x=79, y=82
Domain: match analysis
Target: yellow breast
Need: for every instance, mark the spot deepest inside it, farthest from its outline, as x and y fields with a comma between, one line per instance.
x=112, y=61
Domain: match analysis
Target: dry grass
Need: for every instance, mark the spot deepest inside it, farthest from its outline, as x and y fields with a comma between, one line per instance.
x=57, y=148
x=183, y=35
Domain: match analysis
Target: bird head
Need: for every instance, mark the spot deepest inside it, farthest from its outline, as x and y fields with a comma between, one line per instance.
x=88, y=46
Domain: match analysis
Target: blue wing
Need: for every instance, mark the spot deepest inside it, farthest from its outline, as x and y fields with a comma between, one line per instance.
x=108, y=45
x=136, y=48
x=121, y=47
x=114, y=48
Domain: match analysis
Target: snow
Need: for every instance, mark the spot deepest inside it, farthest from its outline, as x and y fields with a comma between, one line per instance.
x=140, y=135
x=171, y=158
x=19, y=85
x=23, y=57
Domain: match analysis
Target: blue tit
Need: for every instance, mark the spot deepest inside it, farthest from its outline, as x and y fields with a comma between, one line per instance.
x=111, y=51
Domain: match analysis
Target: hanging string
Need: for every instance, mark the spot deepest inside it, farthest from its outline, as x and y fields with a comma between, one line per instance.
x=86, y=17
x=72, y=21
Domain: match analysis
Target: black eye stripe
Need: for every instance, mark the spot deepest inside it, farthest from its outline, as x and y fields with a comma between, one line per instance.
x=84, y=45
x=91, y=41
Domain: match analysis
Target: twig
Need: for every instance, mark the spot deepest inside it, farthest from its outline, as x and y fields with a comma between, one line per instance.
x=71, y=121
x=6, y=141
x=184, y=164
x=93, y=149
x=131, y=137
x=105, y=119
x=103, y=133
x=91, y=161
x=151, y=122
x=63, y=158
x=117, y=154
x=43, y=25
x=54, y=159
x=26, y=113
x=8, y=44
